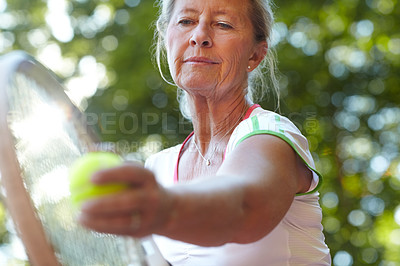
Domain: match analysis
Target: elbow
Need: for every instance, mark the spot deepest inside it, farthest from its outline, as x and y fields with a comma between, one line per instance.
x=253, y=233
x=257, y=222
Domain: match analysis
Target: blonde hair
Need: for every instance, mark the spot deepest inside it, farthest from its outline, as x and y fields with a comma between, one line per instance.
x=261, y=80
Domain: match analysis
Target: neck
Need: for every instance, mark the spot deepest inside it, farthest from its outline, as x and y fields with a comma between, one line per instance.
x=214, y=122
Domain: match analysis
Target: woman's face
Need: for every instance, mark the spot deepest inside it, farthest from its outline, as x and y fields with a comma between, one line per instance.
x=210, y=44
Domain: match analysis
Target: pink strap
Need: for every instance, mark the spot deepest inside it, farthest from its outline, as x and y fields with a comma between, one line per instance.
x=179, y=157
x=250, y=110
x=247, y=115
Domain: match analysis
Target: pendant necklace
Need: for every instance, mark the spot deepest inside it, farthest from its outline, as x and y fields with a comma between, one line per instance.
x=208, y=162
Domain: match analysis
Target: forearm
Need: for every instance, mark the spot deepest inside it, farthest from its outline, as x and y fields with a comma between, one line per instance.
x=204, y=213
x=217, y=212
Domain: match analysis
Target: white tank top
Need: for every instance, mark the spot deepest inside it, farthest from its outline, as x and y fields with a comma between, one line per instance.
x=297, y=240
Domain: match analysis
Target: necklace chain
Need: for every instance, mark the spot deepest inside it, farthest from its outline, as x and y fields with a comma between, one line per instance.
x=208, y=161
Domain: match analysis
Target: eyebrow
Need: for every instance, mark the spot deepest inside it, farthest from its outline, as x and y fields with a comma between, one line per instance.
x=188, y=10
x=217, y=12
x=220, y=12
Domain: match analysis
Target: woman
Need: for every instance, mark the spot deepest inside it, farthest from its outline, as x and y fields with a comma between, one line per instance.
x=241, y=189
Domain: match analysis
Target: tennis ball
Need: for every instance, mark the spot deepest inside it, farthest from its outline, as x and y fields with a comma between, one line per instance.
x=81, y=171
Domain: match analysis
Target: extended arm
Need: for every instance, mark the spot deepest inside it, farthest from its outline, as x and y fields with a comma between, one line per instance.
x=247, y=198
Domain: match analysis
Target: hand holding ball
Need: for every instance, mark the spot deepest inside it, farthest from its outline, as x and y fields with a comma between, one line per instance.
x=81, y=171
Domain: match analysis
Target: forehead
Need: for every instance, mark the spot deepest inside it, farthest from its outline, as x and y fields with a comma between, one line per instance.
x=216, y=7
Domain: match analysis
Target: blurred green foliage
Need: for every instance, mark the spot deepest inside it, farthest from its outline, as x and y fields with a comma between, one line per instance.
x=339, y=63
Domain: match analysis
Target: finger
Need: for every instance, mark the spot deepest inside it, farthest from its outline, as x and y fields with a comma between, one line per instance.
x=122, y=202
x=130, y=173
x=106, y=224
x=131, y=224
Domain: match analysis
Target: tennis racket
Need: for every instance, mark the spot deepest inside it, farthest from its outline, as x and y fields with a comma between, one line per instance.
x=41, y=134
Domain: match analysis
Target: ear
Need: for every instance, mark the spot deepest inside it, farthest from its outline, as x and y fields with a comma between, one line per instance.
x=259, y=52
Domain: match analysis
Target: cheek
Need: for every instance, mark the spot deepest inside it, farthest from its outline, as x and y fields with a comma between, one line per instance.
x=174, y=64
x=236, y=51
x=236, y=59
x=244, y=53
x=174, y=39
x=174, y=49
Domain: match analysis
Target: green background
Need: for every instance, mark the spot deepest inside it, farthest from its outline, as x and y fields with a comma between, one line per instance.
x=339, y=64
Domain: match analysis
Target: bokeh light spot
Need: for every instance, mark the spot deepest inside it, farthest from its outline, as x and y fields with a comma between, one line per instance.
x=364, y=28
x=109, y=43
x=132, y=3
x=357, y=217
x=369, y=255
x=373, y=205
x=397, y=215
x=394, y=45
x=395, y=237
x=331, y=224
x=3, y=5
x=121, y=17
x=379, y=164
x=342, y=258
x=330, y=200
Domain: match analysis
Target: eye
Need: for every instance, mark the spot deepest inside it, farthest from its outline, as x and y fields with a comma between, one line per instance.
x=185, y=22
x=224, y=25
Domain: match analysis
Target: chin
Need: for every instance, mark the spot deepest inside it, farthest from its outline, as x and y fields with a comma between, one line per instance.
x=199, y=88
x=197, y=77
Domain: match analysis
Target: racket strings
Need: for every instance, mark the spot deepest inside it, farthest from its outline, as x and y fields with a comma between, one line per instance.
x=47, y=142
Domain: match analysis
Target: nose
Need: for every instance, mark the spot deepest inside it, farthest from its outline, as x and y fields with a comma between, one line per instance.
x=201, y=37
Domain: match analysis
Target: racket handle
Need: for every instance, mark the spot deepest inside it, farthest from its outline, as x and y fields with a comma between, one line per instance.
x=152, y=253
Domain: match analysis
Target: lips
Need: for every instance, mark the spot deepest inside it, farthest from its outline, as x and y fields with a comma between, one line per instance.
x=200, y=60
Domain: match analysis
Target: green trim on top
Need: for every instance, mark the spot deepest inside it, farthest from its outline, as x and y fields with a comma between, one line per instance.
x=278, y=119
x=254, y=121
x=286, y=139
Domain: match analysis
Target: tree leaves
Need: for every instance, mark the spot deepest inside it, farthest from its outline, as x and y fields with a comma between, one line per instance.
x=339, y=62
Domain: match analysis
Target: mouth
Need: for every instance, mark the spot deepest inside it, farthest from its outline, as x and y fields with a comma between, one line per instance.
x=200, y=60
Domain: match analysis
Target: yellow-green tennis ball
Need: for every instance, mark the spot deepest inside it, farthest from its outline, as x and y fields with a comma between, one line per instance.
x=81, y=171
